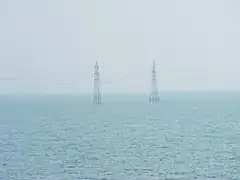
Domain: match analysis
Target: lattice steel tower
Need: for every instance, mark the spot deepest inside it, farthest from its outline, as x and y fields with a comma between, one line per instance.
x=154, y=95
x=97, y=99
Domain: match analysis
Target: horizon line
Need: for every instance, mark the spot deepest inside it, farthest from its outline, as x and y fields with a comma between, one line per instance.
x=108, y=92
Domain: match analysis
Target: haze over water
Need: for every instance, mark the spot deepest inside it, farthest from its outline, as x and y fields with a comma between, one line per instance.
x=52, y=46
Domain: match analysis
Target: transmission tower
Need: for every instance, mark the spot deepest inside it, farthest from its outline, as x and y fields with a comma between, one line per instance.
x=154, y=95
x=97, y=99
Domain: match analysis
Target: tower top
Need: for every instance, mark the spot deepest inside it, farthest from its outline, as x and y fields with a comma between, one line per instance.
x=154, y=66
x=96, y=64
x=96, y=67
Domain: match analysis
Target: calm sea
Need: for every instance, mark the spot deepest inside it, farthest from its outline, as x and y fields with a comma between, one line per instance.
x=191, y=136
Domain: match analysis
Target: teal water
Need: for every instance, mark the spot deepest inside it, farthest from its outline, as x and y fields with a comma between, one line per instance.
x=66, y=137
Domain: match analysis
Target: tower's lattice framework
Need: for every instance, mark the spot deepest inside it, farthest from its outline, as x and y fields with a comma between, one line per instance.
x=154, y=95
x=97, y=98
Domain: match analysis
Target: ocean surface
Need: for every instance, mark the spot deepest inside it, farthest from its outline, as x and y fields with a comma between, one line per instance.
x=65, y=137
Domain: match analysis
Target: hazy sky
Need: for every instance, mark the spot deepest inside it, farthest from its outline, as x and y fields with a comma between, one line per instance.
x=52, y=45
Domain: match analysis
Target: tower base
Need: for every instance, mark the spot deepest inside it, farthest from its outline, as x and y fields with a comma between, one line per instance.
x=97, y=99
x=154, y=99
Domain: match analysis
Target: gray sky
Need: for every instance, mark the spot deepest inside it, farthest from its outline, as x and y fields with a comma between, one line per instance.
x=52, y=45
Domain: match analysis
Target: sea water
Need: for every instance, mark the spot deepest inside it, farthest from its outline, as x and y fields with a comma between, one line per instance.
x=62, y=137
